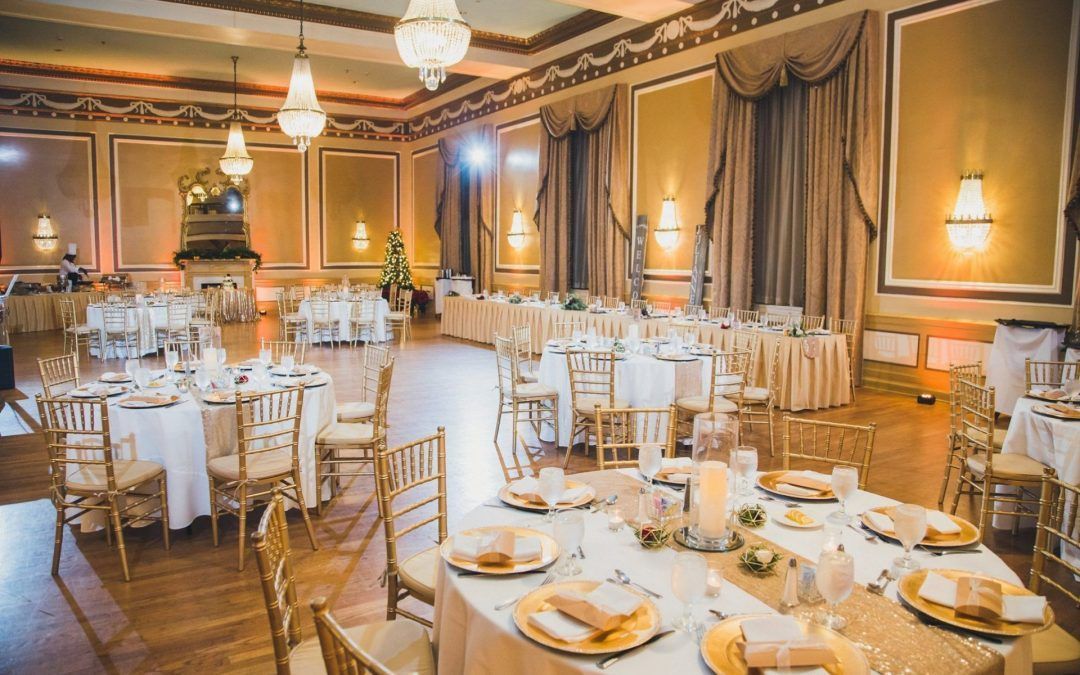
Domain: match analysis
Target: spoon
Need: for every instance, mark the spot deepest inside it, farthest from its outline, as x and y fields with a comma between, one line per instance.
x=878, y=585
x=625, y=579
x=790, y=505
x=610, y=500
x=868, y=536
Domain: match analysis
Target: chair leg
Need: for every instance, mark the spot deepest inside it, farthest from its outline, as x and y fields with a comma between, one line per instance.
x=303, y=509
x=984, y=506
x=242, y=511
x=118, y=530
x=391, y=596
x=514, y=429
x=318, y=481
x=58, y=541
x=164, y=512
x=213, y=513
x=769, y=416
x=945, y=479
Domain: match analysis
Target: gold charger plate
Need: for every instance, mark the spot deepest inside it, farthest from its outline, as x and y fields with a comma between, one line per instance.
x=162, y=402
x=908, y=590
x=676, y=358
x=513, y=500
x=549, y=551
x=720, y=648
x=638, y=627
x=768, y=482
x=1041, y=395
x=1050, y=412
x=220, y=397
x=90, y=391
x=969, y=534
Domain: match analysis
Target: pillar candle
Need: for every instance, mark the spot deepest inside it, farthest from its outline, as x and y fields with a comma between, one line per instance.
x=210, y=359
x=712, y=499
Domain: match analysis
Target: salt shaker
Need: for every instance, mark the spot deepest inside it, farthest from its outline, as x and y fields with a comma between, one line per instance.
x=789, y=597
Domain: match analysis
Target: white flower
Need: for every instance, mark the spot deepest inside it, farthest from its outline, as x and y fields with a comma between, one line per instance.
x=764, y=556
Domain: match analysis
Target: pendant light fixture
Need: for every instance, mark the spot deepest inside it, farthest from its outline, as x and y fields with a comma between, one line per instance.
x=300, y=117
x=432, y=36
x=236, y=162
x=969, y=223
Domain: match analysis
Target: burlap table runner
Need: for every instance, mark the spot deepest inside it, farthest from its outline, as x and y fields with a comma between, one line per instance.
x=893, y=638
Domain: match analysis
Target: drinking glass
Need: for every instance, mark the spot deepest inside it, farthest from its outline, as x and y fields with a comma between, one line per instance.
x=142, y=378
x=835, y=579
x=689, y=576
x=552, y=486
x=909, y=523
x=745, y=461
x=1072, y=388
x=259, y=375
x=264, y=357
x=221, y=357
x=569, y=531
x=202, y=378
x=287, y=362
x=715, y=434
x=845, y=482
x=130, y=366
x=649, y=461
x=172, y=357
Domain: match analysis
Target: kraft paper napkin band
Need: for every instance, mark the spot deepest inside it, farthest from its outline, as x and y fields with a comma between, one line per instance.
x=883, y=628
x=1014, y=608
x=578, y=606
x=154, y=400
x=799, y=480
x=794, y=654
x=561, y=627
x=980, y=598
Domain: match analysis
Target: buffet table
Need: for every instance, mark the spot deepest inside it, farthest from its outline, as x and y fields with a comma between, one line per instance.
x=40, y=311
x=471, y=636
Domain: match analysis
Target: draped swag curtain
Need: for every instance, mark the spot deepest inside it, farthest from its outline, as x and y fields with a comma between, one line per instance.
x=839, y=60
x=465, y=207
x=1072, y=212
x=603, y=198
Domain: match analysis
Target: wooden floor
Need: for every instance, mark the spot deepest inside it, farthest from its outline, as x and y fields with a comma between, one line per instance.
x=190, y=610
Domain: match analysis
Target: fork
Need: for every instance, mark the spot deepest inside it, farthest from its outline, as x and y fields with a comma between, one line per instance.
x=770, y=498
x=952, y=551
x=514, y=600
x=868, y=536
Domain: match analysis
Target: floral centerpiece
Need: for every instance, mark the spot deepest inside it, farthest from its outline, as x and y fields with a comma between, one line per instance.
x=760, y=559
x=752, y=515
x=228, y=253
x=574, y=304
x=514, y=299
x=795, y=330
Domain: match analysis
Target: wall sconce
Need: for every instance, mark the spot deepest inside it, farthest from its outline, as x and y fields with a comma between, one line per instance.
x=667, y=231
x=45, y=237
x=517, y=234
x=360, y=240
x=969, y=224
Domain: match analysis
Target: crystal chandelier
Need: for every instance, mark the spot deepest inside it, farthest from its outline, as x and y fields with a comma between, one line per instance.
x=360, y=240
x=969, y=224
x=432, y=36
x=300, y=117
x=45, y=237
x=517, y=234
x=667, y=232
x=236, y=162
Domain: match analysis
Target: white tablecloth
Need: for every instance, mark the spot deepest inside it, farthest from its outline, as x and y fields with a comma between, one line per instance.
x=147, y=318
x=339, y=313
x=1072, y=354
x=459, y=285
x=1013, y=344
x=472, y=637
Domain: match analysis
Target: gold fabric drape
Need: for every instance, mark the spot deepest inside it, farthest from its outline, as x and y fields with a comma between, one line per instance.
x=839, y=60
x=1072, y=213
x=448, y=219
x=604, y=115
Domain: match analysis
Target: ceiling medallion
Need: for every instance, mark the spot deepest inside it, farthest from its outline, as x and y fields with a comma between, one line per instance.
x=432, y=36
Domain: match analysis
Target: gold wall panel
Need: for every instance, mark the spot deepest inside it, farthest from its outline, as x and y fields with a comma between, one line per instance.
x=424, y=184
x=518, y=176
x=53, y=174
x=981, y=89
x=276, y=207
x=357, y=185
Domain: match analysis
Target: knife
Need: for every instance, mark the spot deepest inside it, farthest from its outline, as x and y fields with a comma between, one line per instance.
x=605, y=662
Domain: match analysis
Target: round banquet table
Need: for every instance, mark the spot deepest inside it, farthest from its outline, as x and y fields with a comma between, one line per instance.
x=183, y=437
x=472, y=637
x=147, y=317
x=339, y=313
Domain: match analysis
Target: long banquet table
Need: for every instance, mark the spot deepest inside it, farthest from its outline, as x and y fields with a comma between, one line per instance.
x=813, y=372
x=472, y=637
x=40, y=311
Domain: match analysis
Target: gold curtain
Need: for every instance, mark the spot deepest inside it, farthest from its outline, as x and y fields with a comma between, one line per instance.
x=1072, y=213
x=604, y=115
x=448, y=219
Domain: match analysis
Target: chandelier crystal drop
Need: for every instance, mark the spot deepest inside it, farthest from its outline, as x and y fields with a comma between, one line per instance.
x=301, y=117
x=432, y=36
x=236, y=162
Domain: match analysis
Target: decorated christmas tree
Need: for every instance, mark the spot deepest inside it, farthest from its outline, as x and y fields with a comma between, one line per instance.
x=396, y=266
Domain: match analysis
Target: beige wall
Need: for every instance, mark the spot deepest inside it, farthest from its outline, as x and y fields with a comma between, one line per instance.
x=357, y=185
x=517, y=174
x=424, y=184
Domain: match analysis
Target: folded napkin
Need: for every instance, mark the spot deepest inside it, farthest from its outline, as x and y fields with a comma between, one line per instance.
x=561, y=627
x=497, y=548
x=529, y=489
x=1014, y=608
x=675, y=470
x=936, y=522
x=1068, y=411
x=1052, y=393
x=110, y=376
x=778, y=641
x=603, y=608
x=151, y=400
x=804, y=483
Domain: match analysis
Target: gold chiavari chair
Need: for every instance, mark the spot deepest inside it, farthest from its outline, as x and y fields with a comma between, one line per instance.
x=553, y=298
x=726, y=383
x=955, y=459
x=611, y=302
x=985, y=470
x=268, y=457
x=660, y=307
x=628, y=429
x=340, y=446
x=523, y=349
x=747, y=341
x=830, y=443
x=592, y=383
x=375, y=357
x=205, y=309
x=85, y=477
x=692, y=311
x=777, y=320
x=292, y=324
x=809, y=322
x=528, y=402
x=361, y=321
x=1049, y=374
x=121, y=331
x=1054, y=650
x=75, y=334
x=383, y=648
x=393, y=295
x=719, y=312
x=758, y=403
x=564, y=330
x=177, y=320
x=97, y=297
x=596, y=301
x=848, y=328
x=57, y=372
x=638, y=303
x=688, y=331
x=282, y=348
x=400, y=314
x=323, y=325
x=416, y=468
x=189, y=353
x=747, y=315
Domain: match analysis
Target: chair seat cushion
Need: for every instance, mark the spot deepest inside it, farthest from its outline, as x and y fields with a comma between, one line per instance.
x=756, y=394
x=1008, y=466
x=418, y=573
x=528, y=376
x=397, y=316
x=401, y=646
x=1055, y=651
x=701, y=404
x=354, y=411
x=586, y=405
x=128, y=472
x=262, y=465
x=82, y=329
x=535, y=390
x=346, y=433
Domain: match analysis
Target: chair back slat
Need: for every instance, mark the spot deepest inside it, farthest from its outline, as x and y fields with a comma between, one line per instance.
x=1058, y=530
x=592, y=376
x=975, y=421
x=728, y=378
x=58, y=372
x=1049, y=374
x=186, y=350
x=76, y=435
x=507, y=364
x=621, y=432
x=268, y=422
x=274, y=557
x=747, y=315
x=810, y=322
x=375, y=357
x=564, y=330
x=830, y=443
x=341, y=654
x=280, y=348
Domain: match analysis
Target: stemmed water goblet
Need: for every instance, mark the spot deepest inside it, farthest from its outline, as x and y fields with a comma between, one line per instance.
x=845, y=482
x=835, y=579
x=288, y=361
x=142, y=378
x=130, y=366
x=172, y=357
x=909, y=524
x=649, y=461
x=552, y=486
x=569, y=530
x=745, y=461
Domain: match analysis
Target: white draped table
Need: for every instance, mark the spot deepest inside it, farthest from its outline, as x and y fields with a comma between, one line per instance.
x=471, y=636
x=147, y=317
x=1005, y=369
x=339, y=314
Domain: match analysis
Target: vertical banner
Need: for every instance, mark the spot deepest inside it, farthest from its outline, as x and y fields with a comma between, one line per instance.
x=697, y=272
x=637, y=265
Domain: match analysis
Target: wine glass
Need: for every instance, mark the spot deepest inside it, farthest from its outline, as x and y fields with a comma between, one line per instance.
x=287, y=362
x=909, y=523
x=569, y=531
x=745, y=460
x=845, y=482
x=552, y=486
x=689, y=576
x=221, y=357
x=142, y=378
x=835, y=579
x=264, y=357
x=202, y=378
x=172, y=357
x=649, y=461
x=130, y=366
